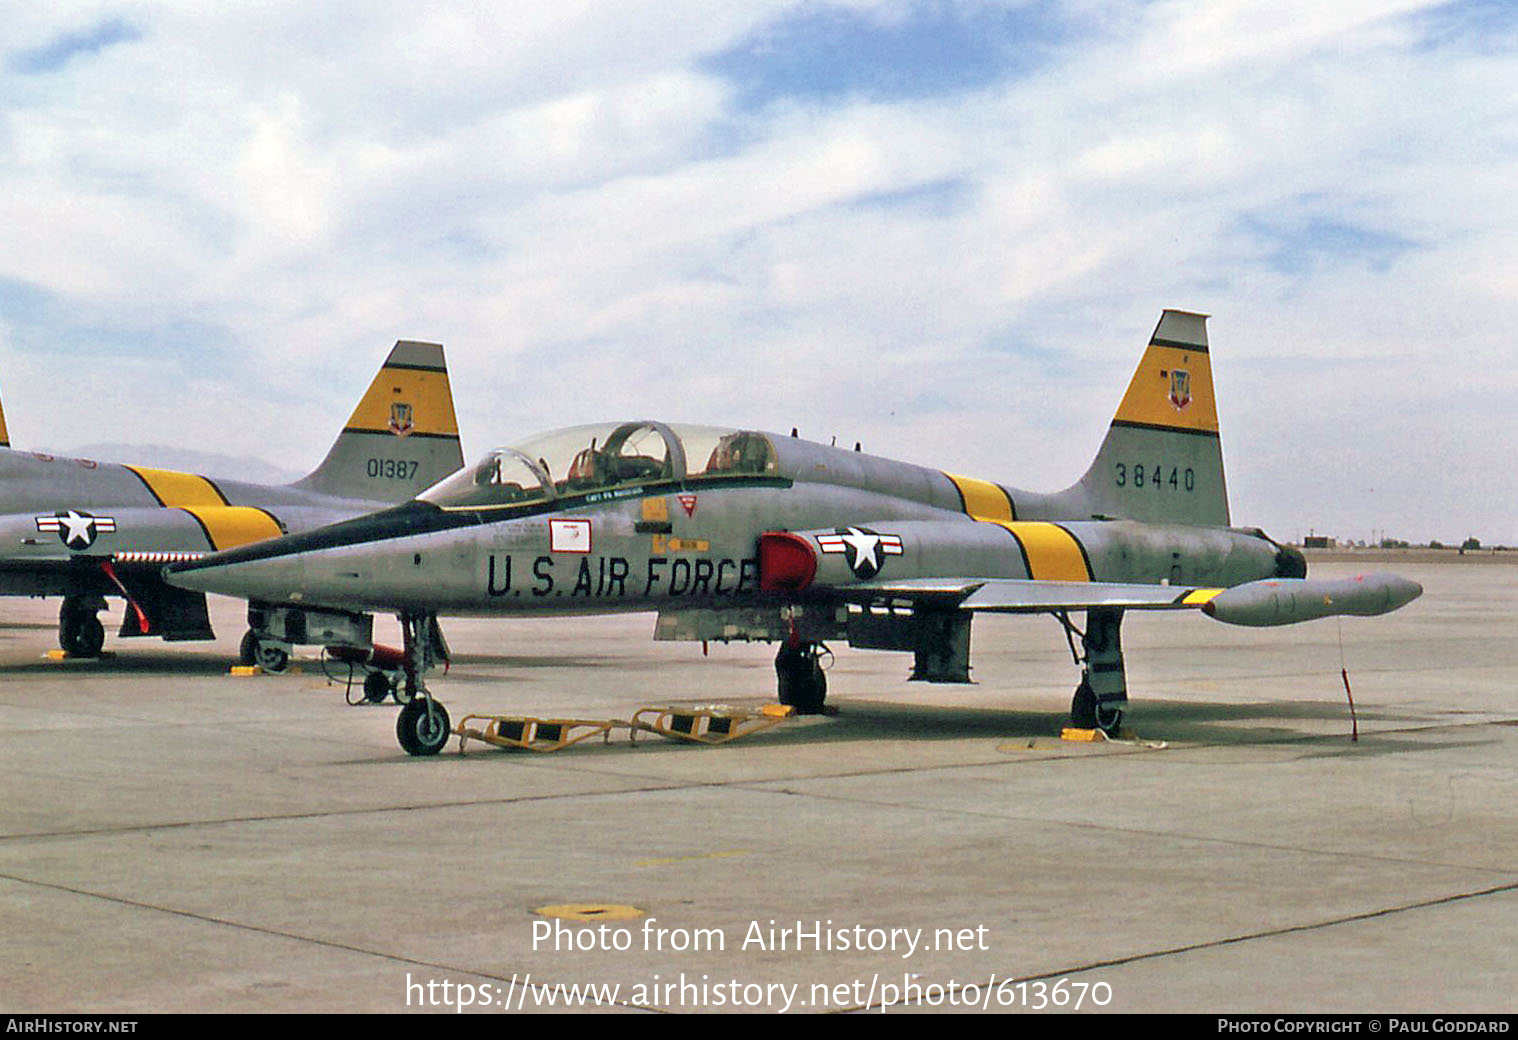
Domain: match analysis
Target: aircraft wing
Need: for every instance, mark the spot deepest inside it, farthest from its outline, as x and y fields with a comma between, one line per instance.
x=1267, y=602
x=1020, y=595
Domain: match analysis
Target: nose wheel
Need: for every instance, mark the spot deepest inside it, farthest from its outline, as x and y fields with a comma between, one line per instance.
x=423, y=727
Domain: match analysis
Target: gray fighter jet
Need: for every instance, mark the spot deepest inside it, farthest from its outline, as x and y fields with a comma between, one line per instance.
x=85, y=530
x=737, y=534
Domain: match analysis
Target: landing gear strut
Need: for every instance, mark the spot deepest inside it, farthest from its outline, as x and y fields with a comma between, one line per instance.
x=803, y=684
x=422, y=727
x=1101, y=699
x=80, y=632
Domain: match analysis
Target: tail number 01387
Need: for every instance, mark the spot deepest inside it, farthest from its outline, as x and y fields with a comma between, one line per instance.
x=393, y=469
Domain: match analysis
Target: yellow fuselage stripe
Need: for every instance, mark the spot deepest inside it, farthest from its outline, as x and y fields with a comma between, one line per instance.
x=230, y=526
x=983, y=499
x=179, y=490
x=1053, y=553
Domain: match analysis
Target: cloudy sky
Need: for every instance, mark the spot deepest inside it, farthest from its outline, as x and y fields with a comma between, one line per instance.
x=944, y=228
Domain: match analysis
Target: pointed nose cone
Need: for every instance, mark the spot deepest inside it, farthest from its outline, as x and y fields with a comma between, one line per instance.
x=1400, y=591
x=276, y=579
x=326, y=562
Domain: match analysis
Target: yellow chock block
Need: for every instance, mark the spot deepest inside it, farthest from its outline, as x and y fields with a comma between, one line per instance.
x=778, y=711
x=54, y=655
x=1082, y=735
x=245, y=670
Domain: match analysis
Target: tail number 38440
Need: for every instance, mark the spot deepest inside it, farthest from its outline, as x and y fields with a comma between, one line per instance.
x=1140, y=475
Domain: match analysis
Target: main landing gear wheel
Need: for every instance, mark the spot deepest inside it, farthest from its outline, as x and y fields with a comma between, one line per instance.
x=1083, y=707
x=272, y=657
x=376, y=687
x=1087, y=713
x=80, y=633
x=422, y=731
x=1110, y=720
x=247, y=650
x=802, y=683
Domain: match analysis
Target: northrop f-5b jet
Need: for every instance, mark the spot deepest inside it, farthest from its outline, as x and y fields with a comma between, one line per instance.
x=85, y=530
x=738, y=534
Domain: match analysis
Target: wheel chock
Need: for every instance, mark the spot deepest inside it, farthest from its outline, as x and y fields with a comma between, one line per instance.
x=1082, y=735
x=706, y=724
x=531, y=734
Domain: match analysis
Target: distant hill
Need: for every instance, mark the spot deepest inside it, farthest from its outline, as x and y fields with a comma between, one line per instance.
x=205, y=463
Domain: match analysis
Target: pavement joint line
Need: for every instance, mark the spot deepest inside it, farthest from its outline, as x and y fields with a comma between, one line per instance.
x=746, y=783
x=1213, y=944
x=1135, y=958
x=331, y=944
x=1268, y=933
x=1167, y=835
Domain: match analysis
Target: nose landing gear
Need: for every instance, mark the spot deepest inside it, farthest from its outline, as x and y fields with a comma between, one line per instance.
x=422, y=727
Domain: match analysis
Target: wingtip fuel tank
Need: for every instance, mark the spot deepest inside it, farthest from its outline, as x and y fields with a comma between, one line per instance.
x=1286, y=601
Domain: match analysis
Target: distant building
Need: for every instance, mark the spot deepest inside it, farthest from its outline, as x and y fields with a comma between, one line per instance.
x=1319, y=541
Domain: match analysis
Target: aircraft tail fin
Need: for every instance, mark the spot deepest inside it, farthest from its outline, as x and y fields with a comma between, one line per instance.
x=1162, y=459
x=5, y=435
x=402, y=438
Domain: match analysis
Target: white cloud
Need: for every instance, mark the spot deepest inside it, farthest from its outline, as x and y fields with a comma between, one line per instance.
x=964, y=279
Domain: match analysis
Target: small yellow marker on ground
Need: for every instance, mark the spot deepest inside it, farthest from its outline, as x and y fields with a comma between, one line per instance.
x=590, y=911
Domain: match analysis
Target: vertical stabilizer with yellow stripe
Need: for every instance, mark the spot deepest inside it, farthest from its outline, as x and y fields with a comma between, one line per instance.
x=402, y=438
x=1162, y=459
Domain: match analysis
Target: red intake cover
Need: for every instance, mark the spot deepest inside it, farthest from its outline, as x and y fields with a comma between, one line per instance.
x=787, y=562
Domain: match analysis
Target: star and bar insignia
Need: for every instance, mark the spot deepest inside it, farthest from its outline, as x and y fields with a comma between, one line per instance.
x=76, y=530
x=864, y=549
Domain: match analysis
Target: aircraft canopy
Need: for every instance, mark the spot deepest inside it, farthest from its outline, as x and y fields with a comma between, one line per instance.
x=585, y=460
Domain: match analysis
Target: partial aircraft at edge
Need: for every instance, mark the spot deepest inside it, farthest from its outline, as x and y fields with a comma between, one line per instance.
x=738, y=534
x=85, y=530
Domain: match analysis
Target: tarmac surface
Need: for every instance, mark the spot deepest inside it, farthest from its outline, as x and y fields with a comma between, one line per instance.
x=176, y=839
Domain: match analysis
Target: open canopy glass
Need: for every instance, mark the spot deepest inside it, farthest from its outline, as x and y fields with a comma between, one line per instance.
x=584, y=460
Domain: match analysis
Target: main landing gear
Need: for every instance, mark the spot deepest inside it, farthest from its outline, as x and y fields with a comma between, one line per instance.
x=422, y=727
x=80, y=632
x=272, y=655
x=1101, y=699
x=802, y=681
